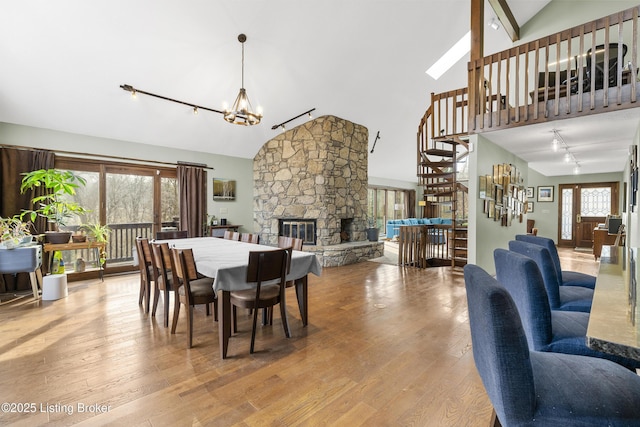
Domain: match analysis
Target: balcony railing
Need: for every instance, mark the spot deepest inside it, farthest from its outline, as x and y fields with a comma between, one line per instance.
x=590, y=68
x=542, y=80
x=122, y=240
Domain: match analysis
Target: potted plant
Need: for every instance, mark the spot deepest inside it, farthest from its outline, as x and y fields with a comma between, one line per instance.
x=100, y=234
x=55, y=205
x=14, y=232
x=372, y=230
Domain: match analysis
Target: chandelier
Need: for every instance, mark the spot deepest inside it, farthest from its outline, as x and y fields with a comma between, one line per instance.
x=241, y=112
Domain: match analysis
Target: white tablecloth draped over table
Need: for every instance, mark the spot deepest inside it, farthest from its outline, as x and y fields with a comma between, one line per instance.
x=226, y=261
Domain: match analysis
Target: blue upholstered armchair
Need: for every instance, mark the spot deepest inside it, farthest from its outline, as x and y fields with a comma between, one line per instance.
x=529, y=388
x=567, y=298
x=547, y=330
x=567, y=278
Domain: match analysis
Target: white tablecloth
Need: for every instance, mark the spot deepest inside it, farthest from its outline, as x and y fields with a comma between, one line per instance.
x=226, y=261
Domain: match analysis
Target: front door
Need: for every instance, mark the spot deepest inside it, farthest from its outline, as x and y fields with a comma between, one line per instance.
x=582, y=207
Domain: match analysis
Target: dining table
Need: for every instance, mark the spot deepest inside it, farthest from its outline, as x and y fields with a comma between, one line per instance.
x=615, y=314
x=226, y=261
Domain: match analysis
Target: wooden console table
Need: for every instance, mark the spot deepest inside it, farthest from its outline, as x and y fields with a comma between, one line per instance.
x=218, y=230
x=47, y=260
x=601, y=237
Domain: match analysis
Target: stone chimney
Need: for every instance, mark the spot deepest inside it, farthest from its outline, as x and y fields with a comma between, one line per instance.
x=316, y=171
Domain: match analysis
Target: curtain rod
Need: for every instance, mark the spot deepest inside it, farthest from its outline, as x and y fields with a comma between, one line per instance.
x=106, y=156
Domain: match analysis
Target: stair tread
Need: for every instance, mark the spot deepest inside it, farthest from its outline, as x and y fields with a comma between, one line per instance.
x=435, y=174
x=438, y=163
x=439, y=152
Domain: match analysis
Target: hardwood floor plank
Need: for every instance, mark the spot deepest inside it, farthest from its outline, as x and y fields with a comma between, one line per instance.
x=385, y=346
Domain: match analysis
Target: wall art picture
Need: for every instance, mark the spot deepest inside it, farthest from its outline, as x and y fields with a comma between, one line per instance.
x=224, y=189
x=530, y=194
x=545, y=194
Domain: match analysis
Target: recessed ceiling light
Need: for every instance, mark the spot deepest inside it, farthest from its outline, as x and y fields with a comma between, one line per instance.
x=453, y=55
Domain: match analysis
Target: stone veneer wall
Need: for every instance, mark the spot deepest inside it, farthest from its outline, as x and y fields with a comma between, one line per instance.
x=317, y=170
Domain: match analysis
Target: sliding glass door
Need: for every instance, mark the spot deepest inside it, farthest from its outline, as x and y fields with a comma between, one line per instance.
x=133, y=200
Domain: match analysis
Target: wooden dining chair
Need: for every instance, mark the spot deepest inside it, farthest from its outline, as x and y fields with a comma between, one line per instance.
x=283, y=243
x=192, y=290
x=250, y=238
x=231, y=235
x=264, y=266
x=163, y=279
x=290, y=242
x=147, y=274
x=171, y=234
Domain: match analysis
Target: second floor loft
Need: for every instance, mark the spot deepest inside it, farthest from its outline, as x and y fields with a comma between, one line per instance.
x=588, y=69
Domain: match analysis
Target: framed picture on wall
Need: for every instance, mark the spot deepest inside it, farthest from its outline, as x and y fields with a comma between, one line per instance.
x=530, y=194
x=529, y=207
x=224, y=189
x=545, y=194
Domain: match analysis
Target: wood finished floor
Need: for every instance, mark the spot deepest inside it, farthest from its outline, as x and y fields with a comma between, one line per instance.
x=385, y=346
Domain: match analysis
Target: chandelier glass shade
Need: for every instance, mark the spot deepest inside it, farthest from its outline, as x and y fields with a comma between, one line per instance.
x=241, y=112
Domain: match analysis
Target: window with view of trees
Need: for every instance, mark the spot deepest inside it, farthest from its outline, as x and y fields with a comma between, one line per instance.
x=133, y=200
x=385, y=204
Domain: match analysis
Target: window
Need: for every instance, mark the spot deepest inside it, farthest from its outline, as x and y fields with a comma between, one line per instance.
x=133, y=200
x=387, y=203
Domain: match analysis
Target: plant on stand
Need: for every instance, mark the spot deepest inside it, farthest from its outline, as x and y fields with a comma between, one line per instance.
x=100, y=234
x=55, y=205
x=14, y=232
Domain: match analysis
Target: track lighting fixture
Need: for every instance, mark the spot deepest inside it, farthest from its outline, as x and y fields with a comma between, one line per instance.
x=241, y=113
x=281, y=125
x=568, y=157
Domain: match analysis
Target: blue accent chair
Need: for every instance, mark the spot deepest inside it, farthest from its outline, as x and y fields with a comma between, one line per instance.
x=568, y=278
x=566, y=298
x=528, y=388
x=547, y=330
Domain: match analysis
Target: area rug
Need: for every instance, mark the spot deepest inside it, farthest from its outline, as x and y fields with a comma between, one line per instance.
x=390, y=254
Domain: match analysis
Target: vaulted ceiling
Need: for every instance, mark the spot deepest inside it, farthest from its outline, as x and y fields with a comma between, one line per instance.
x=63, y=63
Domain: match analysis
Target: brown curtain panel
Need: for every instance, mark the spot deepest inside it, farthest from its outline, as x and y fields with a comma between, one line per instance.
x=192, y=184
x=13, y=163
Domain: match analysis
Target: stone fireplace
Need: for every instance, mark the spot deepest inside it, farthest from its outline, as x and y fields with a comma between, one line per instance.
x=317, y=172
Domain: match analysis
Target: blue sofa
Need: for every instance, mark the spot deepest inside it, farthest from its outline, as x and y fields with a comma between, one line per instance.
x=393, y=224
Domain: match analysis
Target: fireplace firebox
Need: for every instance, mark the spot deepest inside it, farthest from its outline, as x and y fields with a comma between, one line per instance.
x=304, y=229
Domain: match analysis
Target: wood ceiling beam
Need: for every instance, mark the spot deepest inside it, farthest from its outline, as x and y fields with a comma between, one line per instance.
x=503, y=12
x=477, y=29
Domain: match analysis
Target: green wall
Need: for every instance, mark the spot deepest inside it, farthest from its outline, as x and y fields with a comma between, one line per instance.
x=560, y=15
x=546, y=213
x=486, y=234
x=239, y=211
x=631, y=218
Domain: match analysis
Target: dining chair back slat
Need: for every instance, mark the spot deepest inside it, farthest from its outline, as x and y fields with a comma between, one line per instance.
x=164, y=278
x=147, y=274
x=231, y=235
x=264, y=266
x=250, y=238
x=191, y=290
x=290, y=242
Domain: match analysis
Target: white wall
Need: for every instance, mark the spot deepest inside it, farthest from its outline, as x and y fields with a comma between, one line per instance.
x=239, y=211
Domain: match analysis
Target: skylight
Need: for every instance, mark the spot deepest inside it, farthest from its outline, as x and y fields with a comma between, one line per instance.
x=453, y=55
